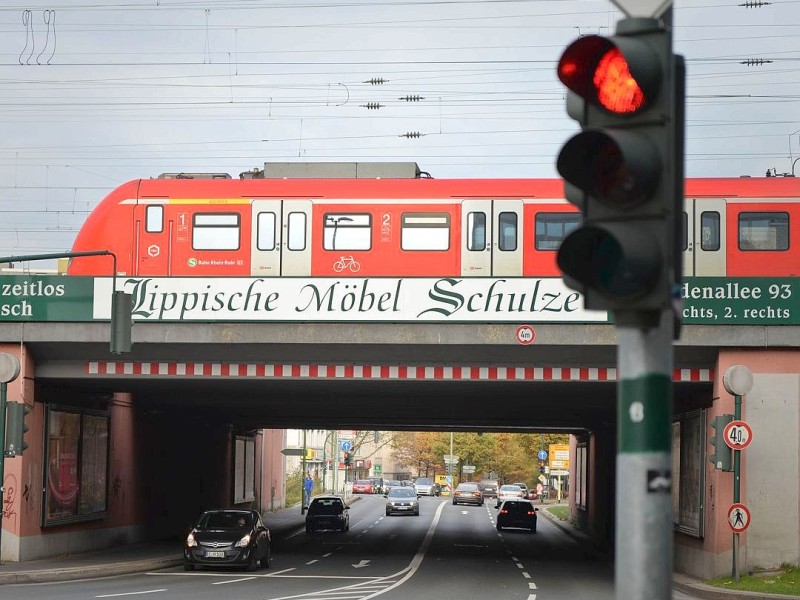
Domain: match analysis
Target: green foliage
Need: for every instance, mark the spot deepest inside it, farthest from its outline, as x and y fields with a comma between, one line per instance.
x=561, y=512
x=509, y=456
x=294, y=487
x=785, y=582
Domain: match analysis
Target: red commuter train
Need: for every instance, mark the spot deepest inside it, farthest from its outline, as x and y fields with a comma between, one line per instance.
x=409, y=227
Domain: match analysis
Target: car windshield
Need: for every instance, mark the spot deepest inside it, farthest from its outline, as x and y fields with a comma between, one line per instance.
x=363, y=482
x=467, y=487
x=223, y=520
x=402, y=492
x=424, y=481
x=326, y=506
x=510, y=488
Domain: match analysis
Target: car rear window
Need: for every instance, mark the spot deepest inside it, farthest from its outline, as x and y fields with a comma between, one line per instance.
x=517, y=507
x=326, y=507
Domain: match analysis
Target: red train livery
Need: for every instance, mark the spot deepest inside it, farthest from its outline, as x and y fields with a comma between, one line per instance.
x=410, y=227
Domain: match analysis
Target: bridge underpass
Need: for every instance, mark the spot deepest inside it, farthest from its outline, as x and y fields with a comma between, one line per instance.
x=192, y=384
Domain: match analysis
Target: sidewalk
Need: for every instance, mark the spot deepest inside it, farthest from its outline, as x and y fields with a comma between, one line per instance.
x=151, y=556
x=133, y=558
x=683, y=583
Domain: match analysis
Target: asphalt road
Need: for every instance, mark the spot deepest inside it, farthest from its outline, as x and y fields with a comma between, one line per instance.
x=446, y=552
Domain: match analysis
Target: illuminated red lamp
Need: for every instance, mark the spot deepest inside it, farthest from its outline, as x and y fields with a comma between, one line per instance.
x=615, y=74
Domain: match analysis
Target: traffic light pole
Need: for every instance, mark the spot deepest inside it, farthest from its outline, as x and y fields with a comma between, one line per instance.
x=643, y=562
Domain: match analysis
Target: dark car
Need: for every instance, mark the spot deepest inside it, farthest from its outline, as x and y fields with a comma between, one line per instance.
x=402, y=500
x=227, y=538
x=468, y=493
x=327, y=512
x=489, y=488
x=520, y=514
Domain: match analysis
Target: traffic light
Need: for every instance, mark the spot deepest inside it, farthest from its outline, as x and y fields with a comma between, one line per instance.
x=721, y=458
x=347, y=459
x=622, y=170
x=16, y=428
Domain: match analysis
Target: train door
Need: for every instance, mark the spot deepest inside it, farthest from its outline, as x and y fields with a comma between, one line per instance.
x=153, y=244
x=265, y=243
x=704, y=239
x=507, y=238
x=476, y=233
x=492, y=234
x=296, y=238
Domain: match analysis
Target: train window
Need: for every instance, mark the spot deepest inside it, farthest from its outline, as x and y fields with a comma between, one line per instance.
x=507, y=239
x=265, y=234
x=425, y=231
x=215, y=231
x=476, y=231
x=296, y=227
x=764, y=231
x=709, y=230
x=552, y=228
x=352, y=231
x=154, y=219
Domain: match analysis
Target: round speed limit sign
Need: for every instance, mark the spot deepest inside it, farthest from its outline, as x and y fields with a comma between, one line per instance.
x=737, y=435
x=525, y=334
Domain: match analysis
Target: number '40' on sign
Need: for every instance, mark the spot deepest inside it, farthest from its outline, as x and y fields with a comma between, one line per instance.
x=738, y=435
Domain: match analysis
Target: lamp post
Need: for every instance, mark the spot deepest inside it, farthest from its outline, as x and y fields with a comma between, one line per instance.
x=738, y=381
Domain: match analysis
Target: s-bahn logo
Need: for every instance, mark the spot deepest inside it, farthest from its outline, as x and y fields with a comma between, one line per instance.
x=349, y=299
x=192, y=262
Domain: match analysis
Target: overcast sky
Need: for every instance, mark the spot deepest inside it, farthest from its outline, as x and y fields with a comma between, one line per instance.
x=98, y=92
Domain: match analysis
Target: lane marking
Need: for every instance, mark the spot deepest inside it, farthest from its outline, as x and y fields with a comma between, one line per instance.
x=526, y=575
x=383, y=584
x=327, y=555
x=311, y=562
x=131, y=593
x=234, y=580
x=532, y=585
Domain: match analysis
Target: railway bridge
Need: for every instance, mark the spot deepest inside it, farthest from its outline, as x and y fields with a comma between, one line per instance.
x=125, y=445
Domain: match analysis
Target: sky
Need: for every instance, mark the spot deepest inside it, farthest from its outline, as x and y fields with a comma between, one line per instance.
x=94, y=93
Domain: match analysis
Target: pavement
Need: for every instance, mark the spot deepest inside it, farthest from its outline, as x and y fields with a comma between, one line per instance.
x=151, y=556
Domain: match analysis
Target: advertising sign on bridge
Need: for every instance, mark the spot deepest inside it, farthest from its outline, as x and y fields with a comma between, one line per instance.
x=706, y=300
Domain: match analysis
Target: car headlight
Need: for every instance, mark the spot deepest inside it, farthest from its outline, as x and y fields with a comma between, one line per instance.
x=245, y=541
x=190, y=541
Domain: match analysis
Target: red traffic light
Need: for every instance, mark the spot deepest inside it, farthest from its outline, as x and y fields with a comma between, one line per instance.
x=620, y=75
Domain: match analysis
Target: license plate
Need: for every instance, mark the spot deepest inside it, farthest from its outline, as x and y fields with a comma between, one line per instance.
x=215, y=554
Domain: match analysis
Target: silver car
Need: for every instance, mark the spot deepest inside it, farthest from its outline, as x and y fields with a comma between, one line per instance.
x=508, y=492
x=402, y=500
x=426, y=487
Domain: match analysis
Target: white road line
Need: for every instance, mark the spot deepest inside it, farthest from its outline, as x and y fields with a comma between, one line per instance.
x=233, y=580
x=532, y=585
x=520, y=565
x=380, y=584
x=526, y=575
x=131, y=593
x=531, y=596
x=327, y=555
x=311, y=562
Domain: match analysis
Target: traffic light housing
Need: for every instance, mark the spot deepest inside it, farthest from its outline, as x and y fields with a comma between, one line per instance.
x=16, y=428
x=347, y=459
x=721, y=458
x=623, y=170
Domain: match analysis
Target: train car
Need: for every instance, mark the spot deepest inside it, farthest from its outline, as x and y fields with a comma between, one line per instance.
x=407, y=227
